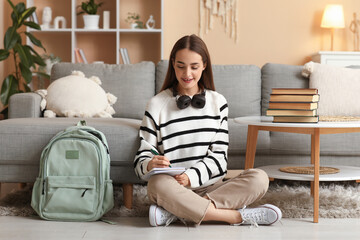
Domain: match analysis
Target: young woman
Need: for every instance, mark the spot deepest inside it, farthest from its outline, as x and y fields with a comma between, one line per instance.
x=186, y=123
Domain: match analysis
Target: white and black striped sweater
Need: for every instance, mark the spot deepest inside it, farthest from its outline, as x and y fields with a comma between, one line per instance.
x=196, y=139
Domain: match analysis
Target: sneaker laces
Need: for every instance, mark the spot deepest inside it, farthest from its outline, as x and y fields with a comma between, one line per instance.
x=171, y=219
x=252, y=217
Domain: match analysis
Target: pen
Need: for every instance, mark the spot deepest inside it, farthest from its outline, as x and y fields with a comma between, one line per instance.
x=156, y=153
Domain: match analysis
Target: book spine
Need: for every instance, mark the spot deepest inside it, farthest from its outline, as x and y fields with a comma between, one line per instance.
x=77, y=56
x=82, y=56
x=127, y=55
x=296, y=91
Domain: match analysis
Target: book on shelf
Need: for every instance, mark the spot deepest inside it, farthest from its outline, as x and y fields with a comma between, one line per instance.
x=294, y=98
x=291, y=112
x=293, y=105
x=80, y=56
x=294, y=91
x=125, y=56
x=296, y=119
x=83, y=55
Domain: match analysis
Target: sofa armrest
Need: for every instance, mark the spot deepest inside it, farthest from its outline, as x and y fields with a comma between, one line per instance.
x=25, y=105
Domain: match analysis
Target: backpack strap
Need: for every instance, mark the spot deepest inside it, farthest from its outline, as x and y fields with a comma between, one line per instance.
x=81, y=123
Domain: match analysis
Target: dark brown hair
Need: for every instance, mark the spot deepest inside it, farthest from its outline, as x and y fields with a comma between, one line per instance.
x=196, y=44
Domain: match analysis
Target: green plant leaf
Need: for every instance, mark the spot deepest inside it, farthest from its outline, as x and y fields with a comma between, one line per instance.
x=11, y=4
x=26, y=14
x=11, y=38
x=4, y=54
x=34, y=40
x=38, y=59
x=26, y=73
x=20, y=7
x=25, y=60
x=32, y=25
x=9, y=87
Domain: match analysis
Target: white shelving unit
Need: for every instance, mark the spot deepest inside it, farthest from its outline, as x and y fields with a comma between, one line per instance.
x=342, y=59
x=75, y=30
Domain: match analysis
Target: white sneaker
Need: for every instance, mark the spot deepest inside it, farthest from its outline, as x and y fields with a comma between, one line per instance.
x=159, y=216
x=262, y=215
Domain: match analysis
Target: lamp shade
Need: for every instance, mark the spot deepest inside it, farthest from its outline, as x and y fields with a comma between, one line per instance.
x=333, y=17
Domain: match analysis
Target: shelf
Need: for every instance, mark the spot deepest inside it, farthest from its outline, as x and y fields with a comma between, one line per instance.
x=99, y=42
x=140, y=30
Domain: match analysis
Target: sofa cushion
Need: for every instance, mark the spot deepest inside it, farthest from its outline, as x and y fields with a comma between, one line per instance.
x=246, y=79
x=23, y=139
x=132, y=84
x=279, y=76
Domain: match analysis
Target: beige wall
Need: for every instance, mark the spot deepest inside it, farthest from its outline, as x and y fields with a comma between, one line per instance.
x=279, y=31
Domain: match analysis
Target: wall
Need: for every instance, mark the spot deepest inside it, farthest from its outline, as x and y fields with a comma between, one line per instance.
x=279, y=31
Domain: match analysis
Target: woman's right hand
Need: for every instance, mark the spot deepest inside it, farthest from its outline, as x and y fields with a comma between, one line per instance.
x=158, y=161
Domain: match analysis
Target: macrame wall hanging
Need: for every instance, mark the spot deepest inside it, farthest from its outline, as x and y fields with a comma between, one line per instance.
x=227, y=10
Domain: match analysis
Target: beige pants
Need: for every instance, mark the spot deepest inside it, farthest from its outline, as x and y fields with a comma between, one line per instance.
x=235, y=193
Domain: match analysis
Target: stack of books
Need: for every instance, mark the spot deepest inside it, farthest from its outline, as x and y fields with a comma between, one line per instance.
x=294, y=105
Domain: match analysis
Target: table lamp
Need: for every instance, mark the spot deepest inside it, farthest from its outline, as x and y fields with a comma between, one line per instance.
x=333, y=17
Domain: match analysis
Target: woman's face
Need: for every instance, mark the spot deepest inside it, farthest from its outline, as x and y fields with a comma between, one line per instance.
x=188, y=66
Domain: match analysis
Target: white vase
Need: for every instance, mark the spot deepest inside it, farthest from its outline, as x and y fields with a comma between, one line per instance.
x=91, y=21
x=134, y=25
x=150, y=24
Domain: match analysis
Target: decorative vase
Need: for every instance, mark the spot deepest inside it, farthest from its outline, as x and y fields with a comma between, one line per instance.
x=134, y=25
x=91, y=21
x=150, y=24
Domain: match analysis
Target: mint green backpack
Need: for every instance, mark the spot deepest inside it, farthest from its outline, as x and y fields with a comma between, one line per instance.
x=74, y=180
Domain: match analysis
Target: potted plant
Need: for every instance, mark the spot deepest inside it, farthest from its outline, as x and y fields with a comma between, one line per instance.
x=91, y=19
x=24, y=57
x=134, y=20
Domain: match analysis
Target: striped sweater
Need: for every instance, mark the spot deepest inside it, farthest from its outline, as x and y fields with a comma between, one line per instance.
x=196, y=139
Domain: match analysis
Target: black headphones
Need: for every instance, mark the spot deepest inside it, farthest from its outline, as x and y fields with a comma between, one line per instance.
x=197, y=101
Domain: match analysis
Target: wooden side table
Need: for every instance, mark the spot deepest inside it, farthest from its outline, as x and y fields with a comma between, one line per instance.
x=261, y=123
x=342, y=59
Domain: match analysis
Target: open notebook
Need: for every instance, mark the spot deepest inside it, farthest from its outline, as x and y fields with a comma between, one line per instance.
x=170, y=171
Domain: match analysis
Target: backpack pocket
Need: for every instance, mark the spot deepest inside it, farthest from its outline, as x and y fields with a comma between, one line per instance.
x=70, y=194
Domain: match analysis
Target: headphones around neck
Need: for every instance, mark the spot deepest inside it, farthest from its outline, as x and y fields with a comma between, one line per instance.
x=197, y=101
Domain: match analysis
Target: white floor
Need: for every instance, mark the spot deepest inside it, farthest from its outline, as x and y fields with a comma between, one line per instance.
x=138, y=228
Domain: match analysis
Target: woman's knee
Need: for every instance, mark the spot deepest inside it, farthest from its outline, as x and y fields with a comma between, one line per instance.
x=260, y=179
x=157, y=185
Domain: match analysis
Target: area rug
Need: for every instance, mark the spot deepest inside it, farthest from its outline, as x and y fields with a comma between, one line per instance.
x=337, y=200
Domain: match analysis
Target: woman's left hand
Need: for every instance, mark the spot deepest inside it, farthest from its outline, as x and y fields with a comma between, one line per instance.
x=183, y=179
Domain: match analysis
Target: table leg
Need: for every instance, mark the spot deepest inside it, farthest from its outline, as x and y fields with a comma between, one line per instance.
x=252, y=136
x=312, y=161
x=315, y=155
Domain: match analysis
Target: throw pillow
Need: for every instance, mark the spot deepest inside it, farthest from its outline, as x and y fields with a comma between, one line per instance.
x=339, y=88
x=77, y=96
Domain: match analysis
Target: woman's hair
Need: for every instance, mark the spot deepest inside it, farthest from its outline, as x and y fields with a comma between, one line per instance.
x=196, y=44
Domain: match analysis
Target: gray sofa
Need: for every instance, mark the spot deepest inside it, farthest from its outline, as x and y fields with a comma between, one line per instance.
x=246, y=87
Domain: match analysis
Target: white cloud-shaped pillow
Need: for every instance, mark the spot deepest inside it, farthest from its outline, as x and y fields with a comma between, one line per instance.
x=77, y=96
